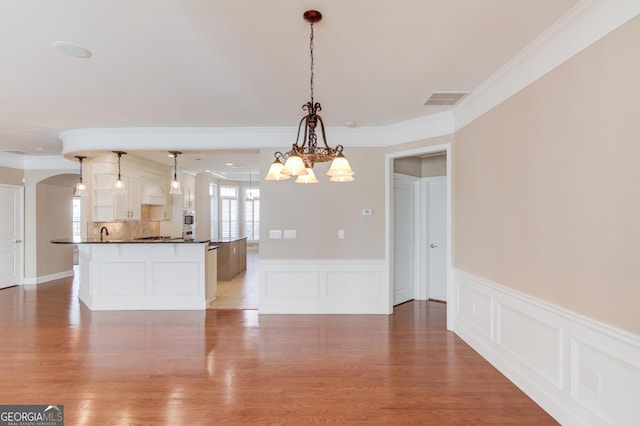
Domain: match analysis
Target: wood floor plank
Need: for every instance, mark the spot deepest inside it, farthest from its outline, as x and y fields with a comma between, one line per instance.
x=238, y=367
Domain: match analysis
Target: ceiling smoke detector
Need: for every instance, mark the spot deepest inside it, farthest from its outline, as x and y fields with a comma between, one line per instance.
x=445, y=98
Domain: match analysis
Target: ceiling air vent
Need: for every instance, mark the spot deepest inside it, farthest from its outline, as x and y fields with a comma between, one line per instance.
x=445, y=98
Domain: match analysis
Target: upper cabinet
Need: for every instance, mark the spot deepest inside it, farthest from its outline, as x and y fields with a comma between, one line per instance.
x=127, y=206
x=144, y=184
x=109, y=206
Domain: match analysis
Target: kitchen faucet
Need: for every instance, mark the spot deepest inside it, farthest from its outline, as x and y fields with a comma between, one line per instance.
x=104, y=228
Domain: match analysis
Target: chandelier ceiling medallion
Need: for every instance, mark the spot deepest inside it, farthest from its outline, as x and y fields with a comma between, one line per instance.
x=306, y=152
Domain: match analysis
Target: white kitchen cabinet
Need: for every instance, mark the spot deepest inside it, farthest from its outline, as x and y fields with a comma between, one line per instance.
x=103, y=200
x=128, y=206
x=108, y=206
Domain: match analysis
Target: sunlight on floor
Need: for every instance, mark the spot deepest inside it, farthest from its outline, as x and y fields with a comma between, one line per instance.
x=242, y=291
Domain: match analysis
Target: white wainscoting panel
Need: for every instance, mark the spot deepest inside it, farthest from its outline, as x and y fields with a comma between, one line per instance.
x=323, y=287
x=580, y=371
x=540, y=352
x=142, y=276
x=175, y=278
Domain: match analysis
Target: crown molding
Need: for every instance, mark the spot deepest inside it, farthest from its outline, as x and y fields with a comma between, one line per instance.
x=9, y=159
x=586, y=23
x=203, y=138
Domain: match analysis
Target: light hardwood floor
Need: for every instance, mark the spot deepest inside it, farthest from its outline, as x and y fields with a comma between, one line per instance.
x=231, y=367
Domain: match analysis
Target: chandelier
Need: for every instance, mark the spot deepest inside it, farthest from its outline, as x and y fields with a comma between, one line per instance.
x=305, y=152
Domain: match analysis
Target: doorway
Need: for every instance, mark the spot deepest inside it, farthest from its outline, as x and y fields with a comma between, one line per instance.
x=440, y=188
x=11, y=230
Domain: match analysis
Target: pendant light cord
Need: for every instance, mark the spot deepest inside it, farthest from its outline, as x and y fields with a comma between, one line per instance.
x=119, y=156
x=175, y=166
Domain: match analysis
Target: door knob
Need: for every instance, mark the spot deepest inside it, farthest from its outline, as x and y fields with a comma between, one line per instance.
x=433, y=246
x=18, y=241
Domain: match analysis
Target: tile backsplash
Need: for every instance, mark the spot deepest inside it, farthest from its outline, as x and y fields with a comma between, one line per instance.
x=129, y=229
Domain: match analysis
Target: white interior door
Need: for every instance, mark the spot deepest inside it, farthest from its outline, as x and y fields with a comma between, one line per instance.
x=10, y=235
x=404, y=239
x=437, y=249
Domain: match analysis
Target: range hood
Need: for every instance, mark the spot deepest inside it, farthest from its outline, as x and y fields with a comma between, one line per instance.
x=153, y=194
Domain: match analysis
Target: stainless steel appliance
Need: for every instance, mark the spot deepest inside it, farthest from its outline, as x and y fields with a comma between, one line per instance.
x=188, y=224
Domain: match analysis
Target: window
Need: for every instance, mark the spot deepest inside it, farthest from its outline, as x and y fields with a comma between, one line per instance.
x=229, y=212
x=213, y=196
x=252, y=213
x=75, y=219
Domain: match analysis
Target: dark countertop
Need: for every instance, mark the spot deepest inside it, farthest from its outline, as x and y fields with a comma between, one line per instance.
x=227, y=240
x=116, y=241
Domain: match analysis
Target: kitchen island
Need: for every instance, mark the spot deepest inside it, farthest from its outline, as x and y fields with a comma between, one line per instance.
x=164, y=274
x=232, y=257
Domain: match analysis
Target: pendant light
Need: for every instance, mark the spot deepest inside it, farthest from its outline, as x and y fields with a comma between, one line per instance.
x=300, y=160
x=175, y=183
x=119, y=186
x=81, y=188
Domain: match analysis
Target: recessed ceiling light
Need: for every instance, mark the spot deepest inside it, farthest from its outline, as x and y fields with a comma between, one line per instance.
x=39, y=148
x=72, y=49
x=228, y=164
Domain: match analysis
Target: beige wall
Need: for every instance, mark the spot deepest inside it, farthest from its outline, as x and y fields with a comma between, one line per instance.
x=411, y=166
x=317, y=211
x=31, y=209
x=434, y=166
x=53, y=220
x=10, y=176
x=546, y=197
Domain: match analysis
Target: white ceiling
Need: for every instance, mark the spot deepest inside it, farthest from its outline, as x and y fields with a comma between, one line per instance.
x=242, y=63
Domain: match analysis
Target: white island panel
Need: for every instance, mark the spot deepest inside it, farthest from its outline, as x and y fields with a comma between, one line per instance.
x=121, y=278
x=176, y=278
x=135, y=276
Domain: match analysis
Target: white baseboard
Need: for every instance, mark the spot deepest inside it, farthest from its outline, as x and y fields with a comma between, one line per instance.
x=580, y=371
x=47, y=278
x=323, y=287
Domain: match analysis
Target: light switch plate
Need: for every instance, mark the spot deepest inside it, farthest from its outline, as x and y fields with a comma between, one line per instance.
x=275, y=234
x=290, y=234
x=367, y=212
x=341, y=234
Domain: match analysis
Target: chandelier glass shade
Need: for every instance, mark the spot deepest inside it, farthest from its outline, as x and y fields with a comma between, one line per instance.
x=306, y=152
x=275, y=171
x=119, y=187
x=309, y=177
x=81, y=188
x=175, y=183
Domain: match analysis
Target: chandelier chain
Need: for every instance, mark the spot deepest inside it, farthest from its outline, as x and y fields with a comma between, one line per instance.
x=311, y=64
